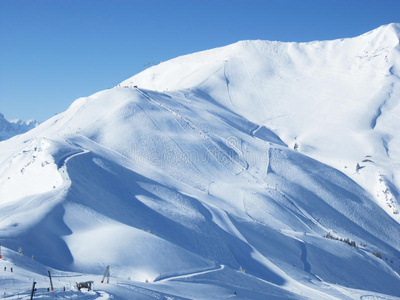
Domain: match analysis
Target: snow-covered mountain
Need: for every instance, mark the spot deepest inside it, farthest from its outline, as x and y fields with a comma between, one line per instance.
x=259, y=170
x=337, y=101
x=11, y=128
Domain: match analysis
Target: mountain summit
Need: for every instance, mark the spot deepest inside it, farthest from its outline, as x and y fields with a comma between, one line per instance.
x=264, y=170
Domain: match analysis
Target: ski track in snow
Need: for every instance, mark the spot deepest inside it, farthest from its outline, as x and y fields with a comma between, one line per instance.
x=183, y=276
x=255, y=89
x=381, y=106
x=227, y=88
x=218, y=154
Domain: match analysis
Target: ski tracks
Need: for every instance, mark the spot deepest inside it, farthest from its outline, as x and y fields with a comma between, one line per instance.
x=175, y=277
x=211, y=146
x=227, y=87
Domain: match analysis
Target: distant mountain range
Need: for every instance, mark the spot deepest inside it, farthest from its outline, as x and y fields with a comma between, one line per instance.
x=11, y=128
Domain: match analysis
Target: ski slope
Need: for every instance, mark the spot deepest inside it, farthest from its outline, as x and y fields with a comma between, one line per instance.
x=215, y=175
x=335, y=99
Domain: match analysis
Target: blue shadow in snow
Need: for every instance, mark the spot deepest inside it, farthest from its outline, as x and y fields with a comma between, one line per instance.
x=113, y=193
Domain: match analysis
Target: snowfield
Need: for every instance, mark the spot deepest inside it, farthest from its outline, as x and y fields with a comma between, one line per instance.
x=259, y=170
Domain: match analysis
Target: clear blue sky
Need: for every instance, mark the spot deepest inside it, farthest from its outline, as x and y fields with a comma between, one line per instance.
x=55, y=51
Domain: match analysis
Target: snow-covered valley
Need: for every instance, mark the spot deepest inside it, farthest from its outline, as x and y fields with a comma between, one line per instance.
x=260, y=170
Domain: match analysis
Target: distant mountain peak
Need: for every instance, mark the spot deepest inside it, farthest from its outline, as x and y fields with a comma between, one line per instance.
x=10, y=128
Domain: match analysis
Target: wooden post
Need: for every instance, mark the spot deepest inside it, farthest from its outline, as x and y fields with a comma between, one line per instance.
x=33, y=289
x=51, y=282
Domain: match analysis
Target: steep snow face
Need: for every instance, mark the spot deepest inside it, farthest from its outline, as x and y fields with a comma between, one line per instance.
x=192, y=176
x=11, y=128
x=337, y=101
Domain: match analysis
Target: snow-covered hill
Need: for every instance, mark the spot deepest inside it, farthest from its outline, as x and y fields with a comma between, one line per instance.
x=336, y=100
x=11, y=128
x=225, y=173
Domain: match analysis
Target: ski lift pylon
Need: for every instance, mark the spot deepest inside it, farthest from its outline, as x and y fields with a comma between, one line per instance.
x=106, y=273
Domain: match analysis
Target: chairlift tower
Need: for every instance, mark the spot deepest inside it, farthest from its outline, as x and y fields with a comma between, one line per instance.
x=51, y=282
x=106, y=273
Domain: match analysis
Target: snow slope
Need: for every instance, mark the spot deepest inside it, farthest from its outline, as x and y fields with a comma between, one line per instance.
x=10, y=128
x=183, y=179
x=337, y=100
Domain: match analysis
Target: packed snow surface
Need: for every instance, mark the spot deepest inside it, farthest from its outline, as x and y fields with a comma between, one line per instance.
x=260, y=170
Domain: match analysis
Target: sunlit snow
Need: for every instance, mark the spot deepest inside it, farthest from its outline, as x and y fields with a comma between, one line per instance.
x=249, y=171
